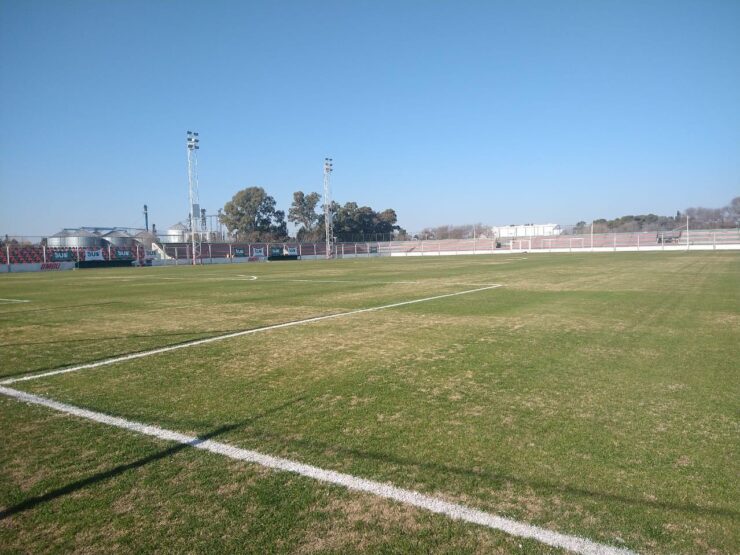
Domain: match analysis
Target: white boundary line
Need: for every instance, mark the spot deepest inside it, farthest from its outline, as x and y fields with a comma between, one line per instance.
x=143, y=354
x=408, y=497
x=8, y=301
x=240, y=277
x=357, y=281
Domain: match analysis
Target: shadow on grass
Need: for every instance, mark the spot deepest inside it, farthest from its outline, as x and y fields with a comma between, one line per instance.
x=497, y=480
x=500, y=480
x=32, y=502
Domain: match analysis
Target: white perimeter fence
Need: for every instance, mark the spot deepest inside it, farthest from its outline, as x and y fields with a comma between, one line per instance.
x=31, y=253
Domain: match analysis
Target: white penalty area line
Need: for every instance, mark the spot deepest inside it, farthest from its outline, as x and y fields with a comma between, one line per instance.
x=8, y=301
x=196, y=342
x=387, y=491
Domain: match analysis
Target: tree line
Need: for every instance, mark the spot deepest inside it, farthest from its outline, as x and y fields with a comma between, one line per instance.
x=252, y=215
x=699, y=217
x=467, y=231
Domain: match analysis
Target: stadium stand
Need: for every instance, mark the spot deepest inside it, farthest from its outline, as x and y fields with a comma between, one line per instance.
x=26, y=255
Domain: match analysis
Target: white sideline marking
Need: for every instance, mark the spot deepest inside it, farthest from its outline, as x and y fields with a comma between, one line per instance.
x=408, y=497
x=235, y=334
x=7, y=301
x=505, y=260
x=348, y=281
x=239, y=277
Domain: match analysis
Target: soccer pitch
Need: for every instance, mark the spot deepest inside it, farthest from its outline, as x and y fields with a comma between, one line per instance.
x=451, y=404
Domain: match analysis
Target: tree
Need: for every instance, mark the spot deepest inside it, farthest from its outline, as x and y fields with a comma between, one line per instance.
x=303, y=212
x=251, y=216
x=386, y=221
x=361, y=223
x=699, y=218
x=732, y=211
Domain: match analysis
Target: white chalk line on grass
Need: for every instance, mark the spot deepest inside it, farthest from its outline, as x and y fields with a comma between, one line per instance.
x=357, y=281
x=240, y=277
x=196, y=342
x=413, y=498
x=505, y=261
x=9, y=301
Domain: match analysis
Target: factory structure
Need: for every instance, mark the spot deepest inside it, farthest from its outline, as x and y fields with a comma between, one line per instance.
x=124, y=237
x=96, y=246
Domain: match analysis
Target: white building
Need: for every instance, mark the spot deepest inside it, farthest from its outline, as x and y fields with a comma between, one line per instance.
x=526, y=230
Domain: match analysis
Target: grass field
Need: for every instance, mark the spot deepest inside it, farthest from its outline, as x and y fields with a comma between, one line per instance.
x=596, y=395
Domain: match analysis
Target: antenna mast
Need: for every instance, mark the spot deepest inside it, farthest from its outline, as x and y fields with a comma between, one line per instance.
x=328, y=168
x=193, y=147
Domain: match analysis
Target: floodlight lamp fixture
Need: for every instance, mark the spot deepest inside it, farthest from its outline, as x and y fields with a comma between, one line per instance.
x=192, y=141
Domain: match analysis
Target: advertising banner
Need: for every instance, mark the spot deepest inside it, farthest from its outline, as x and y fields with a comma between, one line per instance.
x=94, y=254
x=258, y=251
x=123, y=253
x=292, y=250
x=238, y=251
x=61, y=256
x=51, y=266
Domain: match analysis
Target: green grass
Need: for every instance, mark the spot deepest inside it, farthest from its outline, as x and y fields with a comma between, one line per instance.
x=595, y=395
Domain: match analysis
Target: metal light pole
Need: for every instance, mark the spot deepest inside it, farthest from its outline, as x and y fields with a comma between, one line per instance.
x=592, y=235
x=328, y=168
x=192, y=145
x=687, y=232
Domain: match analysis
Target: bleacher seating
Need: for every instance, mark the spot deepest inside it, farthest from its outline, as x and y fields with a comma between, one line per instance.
x=26, y=255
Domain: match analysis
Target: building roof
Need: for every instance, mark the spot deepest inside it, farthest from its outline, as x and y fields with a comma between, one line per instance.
x=118, y=233
x=75, y=232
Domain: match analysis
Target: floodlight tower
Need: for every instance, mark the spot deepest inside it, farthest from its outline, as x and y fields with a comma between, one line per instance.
x=192, y=143
x=328, y=168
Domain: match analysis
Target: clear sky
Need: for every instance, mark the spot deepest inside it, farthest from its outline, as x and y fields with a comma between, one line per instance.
x=448, y=111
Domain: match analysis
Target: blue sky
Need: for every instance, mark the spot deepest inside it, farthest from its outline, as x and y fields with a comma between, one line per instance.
x=449, y=112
